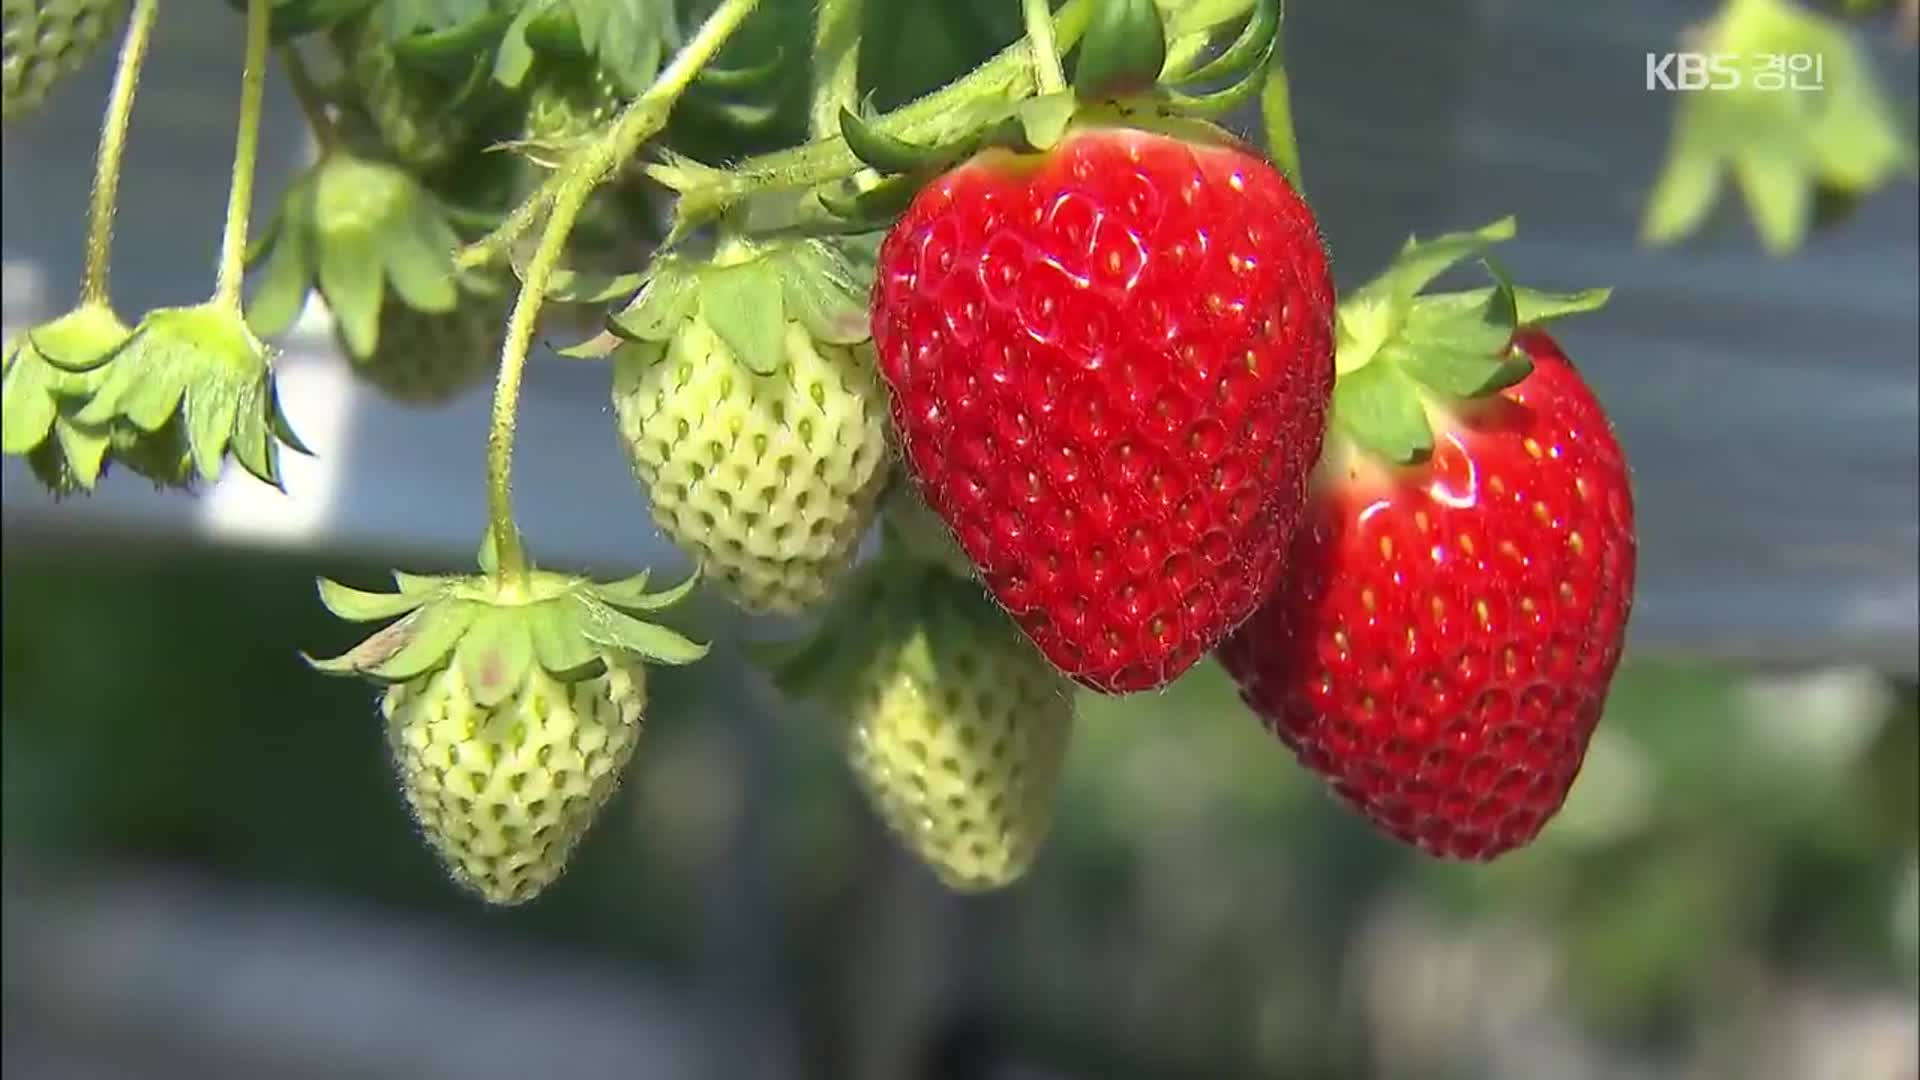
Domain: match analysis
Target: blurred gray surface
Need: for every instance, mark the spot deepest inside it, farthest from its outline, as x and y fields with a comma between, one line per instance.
x=1770, y=406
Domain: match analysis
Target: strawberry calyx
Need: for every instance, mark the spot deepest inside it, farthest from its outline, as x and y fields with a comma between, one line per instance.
x=746, y=293
x=47, y=373
x=356, y=228
x=501, y=629
x=188, y=387
x=1128, y=73
x=1405, y=359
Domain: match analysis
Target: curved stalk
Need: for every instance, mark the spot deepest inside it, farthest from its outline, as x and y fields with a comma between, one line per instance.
x=113, y=144
x=1047, y=76
x=246, y=152
x=1276, y=113
x=836, y=63
x=641, y=120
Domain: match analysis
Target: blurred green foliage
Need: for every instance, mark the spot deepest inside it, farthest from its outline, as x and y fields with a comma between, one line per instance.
x=1202, y=909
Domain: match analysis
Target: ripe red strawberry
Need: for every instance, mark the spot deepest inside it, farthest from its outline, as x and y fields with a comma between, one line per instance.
x=1441, y=647
x=1110, y=365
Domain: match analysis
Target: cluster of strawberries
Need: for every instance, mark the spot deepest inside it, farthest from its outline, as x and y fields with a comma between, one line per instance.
x=1119, y=376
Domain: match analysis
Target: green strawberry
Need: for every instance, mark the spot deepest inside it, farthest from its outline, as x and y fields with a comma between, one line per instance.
x=956, y=728
x=44, y=41
x=747, y=401
x=570, y=102
x=504, y=793
x=512, y=708
x=428, y=358
x=421, y=119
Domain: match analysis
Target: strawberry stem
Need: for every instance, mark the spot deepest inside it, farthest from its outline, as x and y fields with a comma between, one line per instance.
x=246, y=151
x=113, y=144
x=948, y=113
x=836, y=64
x=1276, y=114
x=1048, y=78
x=571, y=187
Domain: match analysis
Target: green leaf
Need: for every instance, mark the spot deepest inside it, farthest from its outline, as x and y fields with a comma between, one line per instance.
x=1122, y=51
x=624, y=35
x=743, y=305
x=1379, y=407
x=581, y=287
x=358, y=605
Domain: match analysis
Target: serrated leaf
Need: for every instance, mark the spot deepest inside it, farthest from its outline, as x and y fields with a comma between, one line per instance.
x=604, y=625
x=744, y=307
x=359, y=605
x=1380, y=408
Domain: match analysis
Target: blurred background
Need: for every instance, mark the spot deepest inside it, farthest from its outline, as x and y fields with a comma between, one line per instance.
x=207, y=871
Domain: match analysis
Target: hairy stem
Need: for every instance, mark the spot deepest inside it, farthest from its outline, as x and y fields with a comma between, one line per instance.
x=246, y=151
x=836, y=63
x=113, y=145
x=1047, y=76
x=641, y=119
x=1276, y=112
x=945, y=114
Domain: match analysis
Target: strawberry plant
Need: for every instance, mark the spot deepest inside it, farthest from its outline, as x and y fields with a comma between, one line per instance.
x=1056, y=329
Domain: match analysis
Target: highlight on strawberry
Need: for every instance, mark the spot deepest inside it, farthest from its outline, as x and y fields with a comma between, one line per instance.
x=1062, y=331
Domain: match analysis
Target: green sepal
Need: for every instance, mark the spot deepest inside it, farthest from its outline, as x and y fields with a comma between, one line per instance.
x=1044, y=120
x=1123, y=50
x=743, y=306
x=823, y=294
x=1379, y=407
x=668, y=298
x=598, y=347
x=875, y=207
x=203, y=367
x=495, y=654
x=1461, y=352
x=581, y=287
x=747, y=77
x=50, y=372
x=421, y=642
x=887, y=154
x=1781, y=145
x=630, y=594
x=422, y=583
x=1401, y=351
x=607, y=626
x=82, y=339
x=282, y=283
x=560, y=651
x=358, y=605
